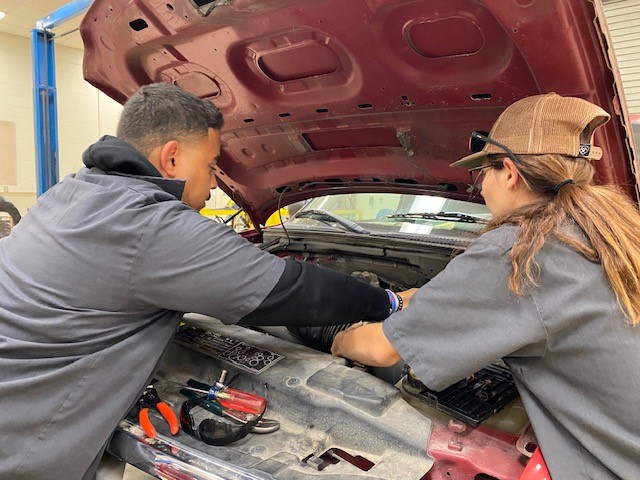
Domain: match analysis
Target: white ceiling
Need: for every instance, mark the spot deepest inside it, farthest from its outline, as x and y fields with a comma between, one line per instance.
x=23, y=14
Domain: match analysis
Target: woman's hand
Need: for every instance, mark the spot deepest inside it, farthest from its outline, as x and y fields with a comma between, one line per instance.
x=406, y=296
x=365, y=343
x=338, y=339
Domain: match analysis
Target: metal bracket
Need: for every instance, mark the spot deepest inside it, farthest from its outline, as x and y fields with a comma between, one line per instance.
x=405, y=140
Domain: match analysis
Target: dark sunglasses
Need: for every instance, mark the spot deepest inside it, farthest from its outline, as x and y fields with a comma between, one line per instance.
x=479, y=139
x=211, y=431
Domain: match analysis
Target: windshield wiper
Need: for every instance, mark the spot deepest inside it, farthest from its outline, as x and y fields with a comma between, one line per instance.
x=327, y=217
x=443, y=216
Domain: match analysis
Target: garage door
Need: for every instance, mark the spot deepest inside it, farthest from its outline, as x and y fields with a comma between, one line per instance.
x=623, y=19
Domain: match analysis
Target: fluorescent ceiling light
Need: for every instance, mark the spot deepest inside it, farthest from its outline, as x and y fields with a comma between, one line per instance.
x=2, y=15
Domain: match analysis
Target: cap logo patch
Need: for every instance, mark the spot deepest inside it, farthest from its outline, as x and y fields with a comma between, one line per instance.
x=584, y=150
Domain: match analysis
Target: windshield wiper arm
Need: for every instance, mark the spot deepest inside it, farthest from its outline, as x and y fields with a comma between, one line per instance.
x=444, y=216
x=325, y=216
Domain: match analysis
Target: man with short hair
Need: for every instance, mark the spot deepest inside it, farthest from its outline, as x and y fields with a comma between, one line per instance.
x=95, y=279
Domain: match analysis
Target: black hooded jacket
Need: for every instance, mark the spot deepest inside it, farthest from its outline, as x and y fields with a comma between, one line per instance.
x=305, y=295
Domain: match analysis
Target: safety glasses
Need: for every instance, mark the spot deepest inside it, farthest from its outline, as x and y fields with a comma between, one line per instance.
x=476, y=175
x=213, y=431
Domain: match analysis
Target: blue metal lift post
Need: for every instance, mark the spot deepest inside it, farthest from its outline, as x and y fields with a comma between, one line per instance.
x=44, y=92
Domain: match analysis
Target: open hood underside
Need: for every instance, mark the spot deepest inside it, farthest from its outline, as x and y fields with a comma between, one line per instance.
x=334, y=96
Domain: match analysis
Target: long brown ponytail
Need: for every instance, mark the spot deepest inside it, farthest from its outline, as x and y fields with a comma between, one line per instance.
x=610, y=221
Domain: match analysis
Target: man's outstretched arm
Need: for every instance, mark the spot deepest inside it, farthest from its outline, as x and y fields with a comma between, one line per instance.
x=308, y=295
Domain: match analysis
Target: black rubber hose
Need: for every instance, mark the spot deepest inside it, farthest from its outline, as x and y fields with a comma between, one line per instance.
x=320, y=338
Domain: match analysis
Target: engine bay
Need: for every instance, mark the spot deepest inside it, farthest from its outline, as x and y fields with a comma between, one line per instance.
x=337, y=419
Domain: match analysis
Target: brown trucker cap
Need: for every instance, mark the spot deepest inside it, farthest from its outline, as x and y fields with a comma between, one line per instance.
x=544, y=124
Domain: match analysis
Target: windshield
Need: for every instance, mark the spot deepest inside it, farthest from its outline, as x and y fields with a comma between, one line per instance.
x=392, y=213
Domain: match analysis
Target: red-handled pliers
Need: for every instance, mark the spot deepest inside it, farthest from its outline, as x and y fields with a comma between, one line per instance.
x=151, y=399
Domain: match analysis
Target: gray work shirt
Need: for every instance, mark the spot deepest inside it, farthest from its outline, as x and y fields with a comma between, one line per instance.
x=574, y=356
x=93, y=283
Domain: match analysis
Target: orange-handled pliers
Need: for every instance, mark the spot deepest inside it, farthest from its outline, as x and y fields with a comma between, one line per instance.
x=151, y=399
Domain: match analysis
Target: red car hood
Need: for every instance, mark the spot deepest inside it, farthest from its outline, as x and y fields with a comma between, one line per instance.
x=336, y=96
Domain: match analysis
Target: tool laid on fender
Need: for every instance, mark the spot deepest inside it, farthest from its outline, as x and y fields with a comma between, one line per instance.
x=211, y=430
x=228, y=397
x=264, y=425
x=151, y=399
x=244, y=410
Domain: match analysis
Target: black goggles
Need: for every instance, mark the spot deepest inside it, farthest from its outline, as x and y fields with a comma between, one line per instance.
x=479, y=139
x=211, y=431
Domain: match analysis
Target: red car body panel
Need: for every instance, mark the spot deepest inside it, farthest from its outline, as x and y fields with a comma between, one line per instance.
x=334, y=96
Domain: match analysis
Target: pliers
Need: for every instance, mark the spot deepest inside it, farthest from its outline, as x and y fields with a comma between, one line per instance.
x=151, y=399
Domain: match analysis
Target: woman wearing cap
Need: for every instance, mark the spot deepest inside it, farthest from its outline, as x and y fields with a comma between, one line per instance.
x=552, y=288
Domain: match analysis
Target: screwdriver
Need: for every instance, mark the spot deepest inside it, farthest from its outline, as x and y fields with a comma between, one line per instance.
x=264, y=425
x=212, y=406
x=233, y=399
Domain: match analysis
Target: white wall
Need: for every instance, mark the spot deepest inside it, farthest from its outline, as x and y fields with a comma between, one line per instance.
x=623, y=19
x=84, y=113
